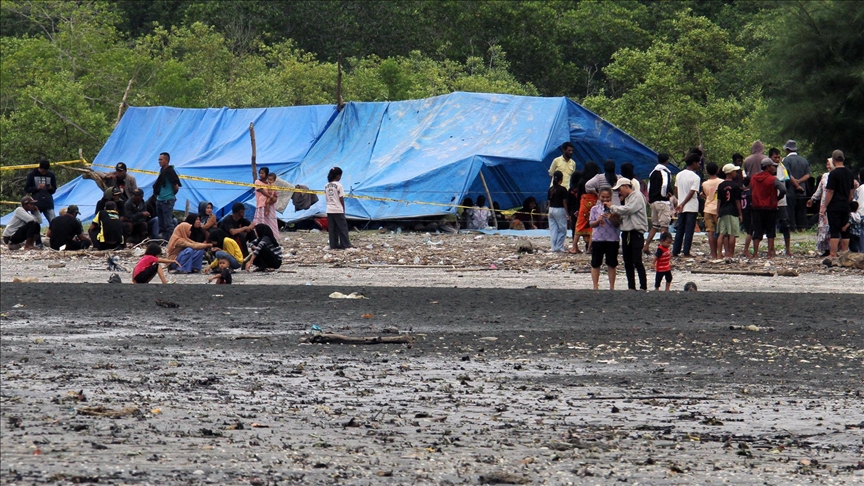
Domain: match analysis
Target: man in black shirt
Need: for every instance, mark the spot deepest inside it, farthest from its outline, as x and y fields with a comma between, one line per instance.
x=838, y=194
x=107, y=228
x=139, y=221
x=67, y=231
x=237, y=226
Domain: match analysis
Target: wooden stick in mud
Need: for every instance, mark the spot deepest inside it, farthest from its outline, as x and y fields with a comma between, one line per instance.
x=254, y=154
x=734, y=272
x=328, y=338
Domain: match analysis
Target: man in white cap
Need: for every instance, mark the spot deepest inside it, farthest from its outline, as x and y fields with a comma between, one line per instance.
x=634, y=224
x=766, y=191
x=796, y=192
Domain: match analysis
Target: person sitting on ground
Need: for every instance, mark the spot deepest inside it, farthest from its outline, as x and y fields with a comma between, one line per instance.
x=140, y=222
x=605, y=239
x=529, y=215
x=112, y=194
x=24, y=227
x=503, y=224
x=198, y=235
x=226, y=247
x=663, y=261
x=479, y=214
x=188, y=253
x=238, y=227
x=106, y=230
x=208, y=219
x=266, y=254
x=223, y=276
x=148, y=266
x=67, y=231
x=41, y=184
x=463, y=211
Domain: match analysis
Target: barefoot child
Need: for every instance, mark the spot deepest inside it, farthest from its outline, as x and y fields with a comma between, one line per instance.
x=148, y=266
x=224, y=275
x=663, y=261
x=730, y=211
x=337, y=225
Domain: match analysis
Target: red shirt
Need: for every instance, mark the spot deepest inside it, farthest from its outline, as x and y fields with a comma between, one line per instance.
x=143, y=264
x=664, y=259
x=763, y=193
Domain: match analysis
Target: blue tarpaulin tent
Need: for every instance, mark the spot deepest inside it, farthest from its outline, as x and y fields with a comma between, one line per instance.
x=417, y=151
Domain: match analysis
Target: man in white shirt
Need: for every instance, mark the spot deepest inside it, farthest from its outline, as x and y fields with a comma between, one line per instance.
x=687, y=184
x=25, y=226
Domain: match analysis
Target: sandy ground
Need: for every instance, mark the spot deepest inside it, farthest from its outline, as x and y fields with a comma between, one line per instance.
x=517, y=375
x=523, y=386
x=465, y=260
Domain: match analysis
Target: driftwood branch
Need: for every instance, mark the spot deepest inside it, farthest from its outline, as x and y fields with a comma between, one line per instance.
x=123, y=103
x=254, y=153
x=328, y=338
x=489, y=198
x=752, y=273
x=91, y=174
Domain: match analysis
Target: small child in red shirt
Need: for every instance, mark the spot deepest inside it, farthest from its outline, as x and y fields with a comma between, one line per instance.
x=663, y=261
x=148, y=266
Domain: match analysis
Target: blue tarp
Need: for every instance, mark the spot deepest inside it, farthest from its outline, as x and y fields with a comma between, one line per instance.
x=430, y=150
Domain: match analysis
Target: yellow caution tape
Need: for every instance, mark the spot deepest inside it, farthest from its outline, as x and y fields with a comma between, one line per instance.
x=34, y=166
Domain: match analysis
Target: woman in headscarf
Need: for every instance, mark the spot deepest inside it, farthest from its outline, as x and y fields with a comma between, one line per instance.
x=586, y=202
x=822, y=234
x=265, y=213
x=208, y=219
x=188, y=253
x=265, y=254
x=197, y=234
x=225, y=247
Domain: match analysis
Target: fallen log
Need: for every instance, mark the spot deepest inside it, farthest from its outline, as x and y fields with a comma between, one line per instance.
x=751, y=273
x=328, y=338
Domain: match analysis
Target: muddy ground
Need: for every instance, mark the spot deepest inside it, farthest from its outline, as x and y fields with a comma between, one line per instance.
x=541, y=386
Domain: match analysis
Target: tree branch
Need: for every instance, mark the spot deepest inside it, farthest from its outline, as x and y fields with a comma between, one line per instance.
x=63, y=117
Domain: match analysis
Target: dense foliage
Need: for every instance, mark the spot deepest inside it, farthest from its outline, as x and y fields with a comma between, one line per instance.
x=673, y=74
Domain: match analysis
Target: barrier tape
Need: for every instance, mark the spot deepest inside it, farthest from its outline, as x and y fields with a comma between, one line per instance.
x=246, y=184
x=36, y=166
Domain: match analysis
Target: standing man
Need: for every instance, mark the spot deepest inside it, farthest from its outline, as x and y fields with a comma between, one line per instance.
x=659, y=191
x=634, y=224
x=753, y=162
x=687, y=184
x=766, y=190
x=784, y=219
x=564, y=163
x=838, y=195
x=796, y=189
x=165, y=189
x=24, y=227
x=41, y=185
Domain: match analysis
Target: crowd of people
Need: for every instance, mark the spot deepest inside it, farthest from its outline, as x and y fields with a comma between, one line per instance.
x=755, y=197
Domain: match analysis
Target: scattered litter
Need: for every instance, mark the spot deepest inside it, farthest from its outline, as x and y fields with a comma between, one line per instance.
x=489, y=338
x=167, y=304
x=352, y=295
x=25, y=279
x=101, y=411
x=752, y=328
x=56, y=265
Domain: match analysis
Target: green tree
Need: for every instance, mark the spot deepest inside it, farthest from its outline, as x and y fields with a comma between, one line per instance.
x=815, y=73
x=682, y=91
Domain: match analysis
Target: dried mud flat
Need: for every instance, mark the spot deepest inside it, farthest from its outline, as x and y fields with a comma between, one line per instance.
x=101, y=384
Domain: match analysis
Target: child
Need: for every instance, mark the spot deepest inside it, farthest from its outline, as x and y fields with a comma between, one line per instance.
x=148, y=266
x=663, y=261
x=337, y=225
x=730, y=211
x=855, y=228
x=709, y=189
x=224, y=275
x=274, y=196
x=605, y=237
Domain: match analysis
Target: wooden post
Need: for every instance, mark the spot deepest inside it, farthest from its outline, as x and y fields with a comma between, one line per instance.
x=123, y=102
x=254, y=165
x=339, y=102
x=489, y=198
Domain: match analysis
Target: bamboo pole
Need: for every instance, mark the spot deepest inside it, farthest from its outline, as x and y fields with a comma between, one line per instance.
x=254, y=153
x=489, y=198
